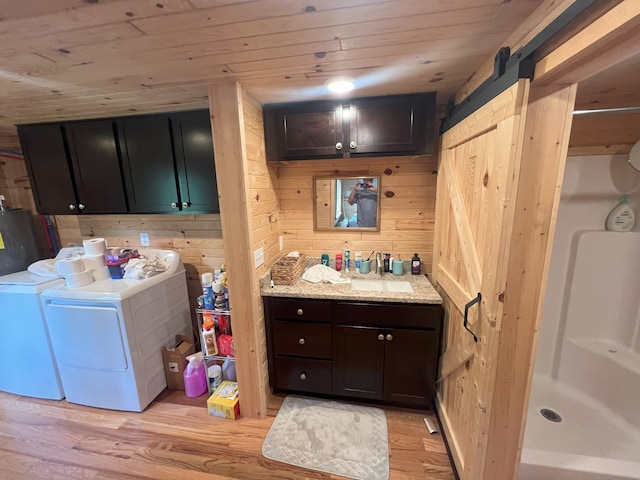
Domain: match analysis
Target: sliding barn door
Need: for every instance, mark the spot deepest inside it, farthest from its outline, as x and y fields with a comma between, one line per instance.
x=498, y=187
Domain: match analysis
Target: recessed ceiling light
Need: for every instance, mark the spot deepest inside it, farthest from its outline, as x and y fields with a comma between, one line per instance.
x=340, y=84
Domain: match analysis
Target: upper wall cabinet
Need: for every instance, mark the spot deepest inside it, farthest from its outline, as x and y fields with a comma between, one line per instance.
x=168, y=163
x=193, y=144
x=373, y=126
x=98, y=181
x=145, y=164
x=65, y=183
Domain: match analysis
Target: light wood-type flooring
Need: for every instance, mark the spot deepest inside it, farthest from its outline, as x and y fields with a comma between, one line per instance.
x=174, y=439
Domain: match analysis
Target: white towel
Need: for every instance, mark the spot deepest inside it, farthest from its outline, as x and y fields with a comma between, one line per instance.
x=322, y=273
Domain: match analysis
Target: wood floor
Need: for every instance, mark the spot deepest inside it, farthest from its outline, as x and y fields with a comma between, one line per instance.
x=174, y=439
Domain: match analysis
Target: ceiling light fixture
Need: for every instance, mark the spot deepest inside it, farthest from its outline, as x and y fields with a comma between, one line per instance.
x=340, y=84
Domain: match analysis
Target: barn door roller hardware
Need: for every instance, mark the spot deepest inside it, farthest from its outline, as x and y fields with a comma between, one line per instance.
x=508, y=69
x=466, y=315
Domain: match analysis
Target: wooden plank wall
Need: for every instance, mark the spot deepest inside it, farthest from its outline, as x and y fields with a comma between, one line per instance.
x=198, y=238
x=604, y=134
x=265, y=223
x=14, y=185
x=407, y=203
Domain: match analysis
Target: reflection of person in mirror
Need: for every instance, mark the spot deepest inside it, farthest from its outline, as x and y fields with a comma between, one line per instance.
x=365, y=195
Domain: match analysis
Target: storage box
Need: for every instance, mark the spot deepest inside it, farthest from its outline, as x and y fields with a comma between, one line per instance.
x=175, y=359
x=224, y=401
x=287, y=270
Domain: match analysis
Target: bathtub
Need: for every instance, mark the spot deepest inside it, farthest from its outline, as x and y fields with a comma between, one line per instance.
x=594, y=385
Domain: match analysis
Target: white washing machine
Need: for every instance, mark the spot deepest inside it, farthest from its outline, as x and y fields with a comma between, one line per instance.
x=108, y=336
x=27, y=362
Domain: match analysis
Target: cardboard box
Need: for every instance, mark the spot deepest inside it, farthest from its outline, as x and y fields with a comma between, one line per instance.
x=175, y=359
x=224, y=401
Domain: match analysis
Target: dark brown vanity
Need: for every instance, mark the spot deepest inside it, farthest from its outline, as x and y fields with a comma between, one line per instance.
x=357, y=345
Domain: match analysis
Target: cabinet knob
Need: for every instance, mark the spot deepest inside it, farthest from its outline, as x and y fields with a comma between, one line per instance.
x=81, y=206
x=301, y=341
x=389, y=337
x=300, y=312
x=174, y=205
x=339, y=146
x=303, y=376
x=186, y=204
x=380, y=337
x=72, y=206
x=353, y=145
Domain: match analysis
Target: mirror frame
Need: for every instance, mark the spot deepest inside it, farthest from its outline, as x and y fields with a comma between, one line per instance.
x=332, y=207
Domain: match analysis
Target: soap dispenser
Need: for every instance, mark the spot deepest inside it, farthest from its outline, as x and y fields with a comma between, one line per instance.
x=621, y=218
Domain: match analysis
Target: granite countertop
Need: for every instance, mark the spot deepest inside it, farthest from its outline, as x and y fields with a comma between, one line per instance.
x=423, y=291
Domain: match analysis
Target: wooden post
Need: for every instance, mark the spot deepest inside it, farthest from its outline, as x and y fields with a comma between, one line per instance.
x=228, y=127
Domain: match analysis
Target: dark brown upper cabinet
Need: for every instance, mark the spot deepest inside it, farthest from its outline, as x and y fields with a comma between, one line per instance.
x=96, y=166
x=74, y=167
x=372, y=126
x=193, y=145
x=168, y=163
x=48, y=168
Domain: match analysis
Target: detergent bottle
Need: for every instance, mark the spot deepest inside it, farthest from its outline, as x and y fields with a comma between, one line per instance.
x=195, y=378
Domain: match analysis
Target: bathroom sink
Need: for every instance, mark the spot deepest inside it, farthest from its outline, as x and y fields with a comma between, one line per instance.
x=396, y=286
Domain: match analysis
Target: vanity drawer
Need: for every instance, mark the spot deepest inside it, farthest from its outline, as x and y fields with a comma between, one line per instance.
x=301, y=309
x=302, y=339
x=428, y=317
x=303, y=375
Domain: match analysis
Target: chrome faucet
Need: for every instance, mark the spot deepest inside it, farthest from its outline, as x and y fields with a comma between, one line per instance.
x=379, y=264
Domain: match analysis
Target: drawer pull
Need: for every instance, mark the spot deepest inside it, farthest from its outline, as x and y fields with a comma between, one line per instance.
x=300, y=312
x=301, y=341
x=389, y=337
x=380, y=337
x=303, y=376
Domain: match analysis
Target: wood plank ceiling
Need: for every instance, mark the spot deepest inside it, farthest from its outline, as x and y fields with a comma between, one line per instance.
x=71, y=59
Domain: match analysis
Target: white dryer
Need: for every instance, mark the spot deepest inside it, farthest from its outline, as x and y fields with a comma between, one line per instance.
x=27, y=362
x=108, y=335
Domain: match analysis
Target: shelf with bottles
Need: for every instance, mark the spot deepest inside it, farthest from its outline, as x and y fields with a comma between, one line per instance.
x=216, y=335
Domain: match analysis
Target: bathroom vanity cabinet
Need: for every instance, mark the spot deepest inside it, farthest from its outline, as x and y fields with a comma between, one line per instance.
x=386, y=352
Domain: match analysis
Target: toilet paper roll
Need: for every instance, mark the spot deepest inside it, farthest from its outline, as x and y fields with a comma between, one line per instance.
x=93, y=262
x=69, y=265
x=79, y=279
x=100, y=274
x=95, y=246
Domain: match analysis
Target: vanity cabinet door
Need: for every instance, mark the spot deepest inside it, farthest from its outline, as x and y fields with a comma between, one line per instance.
x=358, y=361
x=304, y=130
x=410, y=361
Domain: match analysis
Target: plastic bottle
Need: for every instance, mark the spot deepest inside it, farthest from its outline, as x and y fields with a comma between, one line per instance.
x=215, y=377
x=195, y=378
x=338, y=262
x=229, y=370
x=207, y=290
x=415, y=264
x=621, y=218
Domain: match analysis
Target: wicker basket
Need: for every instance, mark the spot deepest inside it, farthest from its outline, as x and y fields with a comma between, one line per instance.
x=287, y=270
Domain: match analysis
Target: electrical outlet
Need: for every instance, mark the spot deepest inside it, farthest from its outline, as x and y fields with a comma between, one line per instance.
x=144, y=239
x=281, y=240
x=258, y=257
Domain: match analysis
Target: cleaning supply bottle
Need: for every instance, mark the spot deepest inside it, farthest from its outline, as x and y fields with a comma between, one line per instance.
x=415, y=264
x=207, y=290
x=621, y=218
x=195, y=378
x=215, y=377
x=229, y=370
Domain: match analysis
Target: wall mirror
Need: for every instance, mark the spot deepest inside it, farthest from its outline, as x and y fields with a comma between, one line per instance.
x=342, y=203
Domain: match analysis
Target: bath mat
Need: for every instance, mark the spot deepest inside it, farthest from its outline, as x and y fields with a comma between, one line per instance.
x=329, y=436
